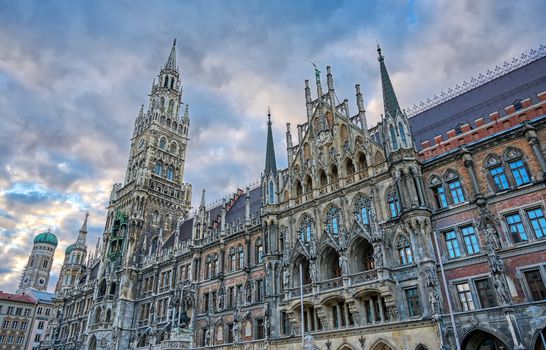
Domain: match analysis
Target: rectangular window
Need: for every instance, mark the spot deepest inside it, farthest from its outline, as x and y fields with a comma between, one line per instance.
x=452, y=245
x=414, y=305
x=536, y=217
x=206, y=302
x=499, y=177
x=39, y=310
x=519, y=172
x=19, y=311
x=37, y=338
x=465, y=296
x=10, y=339
x=535, y=284
x=27, y=312
x=394, y=206
x=470, y=240
x=25, y=324
x=285, y=323
x=456, y=191
x=516, y=228
x=259, y=290
x=231, y=296
x=440, y=197
x=364, y=216
x=1, y=339
x=335, y=317
x=230, y=333
x=485, y=293
x=19, y=340
x=5, y=324
x=10, y=310
x=41, y=325
x=260, y=330
x=14, y=324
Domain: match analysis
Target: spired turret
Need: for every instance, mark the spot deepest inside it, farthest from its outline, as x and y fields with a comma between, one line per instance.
x=269, y=177
x=75, y=256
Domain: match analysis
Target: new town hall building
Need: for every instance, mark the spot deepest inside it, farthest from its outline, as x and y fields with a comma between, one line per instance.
x=419, y=233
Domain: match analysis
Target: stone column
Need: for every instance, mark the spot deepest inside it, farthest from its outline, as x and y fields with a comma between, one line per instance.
x=418, y=186
x=372, y=310
x=400, y=194
x=380, y=304
x=469, y=165
x=537, y=151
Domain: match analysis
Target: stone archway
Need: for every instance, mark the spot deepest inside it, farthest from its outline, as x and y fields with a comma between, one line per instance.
x=539, y=345
x=93, y=343
x=361, y=255
x=329, y=264
x=380, y=345
x=482, y=340
x=345, y=347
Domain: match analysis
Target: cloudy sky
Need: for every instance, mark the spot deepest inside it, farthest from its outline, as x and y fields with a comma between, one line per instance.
x=73, y=75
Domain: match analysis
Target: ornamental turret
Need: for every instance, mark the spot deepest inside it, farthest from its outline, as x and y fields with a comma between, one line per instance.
x=38, y=268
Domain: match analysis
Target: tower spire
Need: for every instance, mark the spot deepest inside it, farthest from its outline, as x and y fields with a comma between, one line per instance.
x=390, y=101
x=83, y=231
x=270, y=162
x=171, y=61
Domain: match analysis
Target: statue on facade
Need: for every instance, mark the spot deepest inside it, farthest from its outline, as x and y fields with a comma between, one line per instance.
x=378, y=255
x=236, y=331
x=208, y=335
x=314, y=272
x=285, y=278
x=344, y=265
x=492, y=238
x=184, y=320
x=434, y=299
x=502, y=291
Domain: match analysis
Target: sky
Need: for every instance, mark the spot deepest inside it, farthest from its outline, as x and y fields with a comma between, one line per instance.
x=73, y=75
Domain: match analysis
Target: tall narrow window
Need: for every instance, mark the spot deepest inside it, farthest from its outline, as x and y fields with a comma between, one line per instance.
x=536, y=284
x=440, y=197
x=394, y=204
x=404, y=251
x=393, y=138
x=414, y=305
x=452, y=244
x=332, y=221
x=499, y=178
x=158, y=169
x=162, y=143
x=259, y=258
x=456, y=191
x=361, y=210
x=241, y=258
x=517, y=230
x=306, y=229
x=402, y=133
x=465, y=296
x=536, y=217
x=470, y=240
x=519, y=172
x=170, y=173
x=485, y=293
x=271, y=193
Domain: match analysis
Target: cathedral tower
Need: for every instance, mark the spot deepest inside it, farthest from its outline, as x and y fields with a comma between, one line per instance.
x=74, y=260
x=36, y=273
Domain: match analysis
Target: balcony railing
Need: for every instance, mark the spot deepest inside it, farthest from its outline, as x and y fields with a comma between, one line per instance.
x=363, y=277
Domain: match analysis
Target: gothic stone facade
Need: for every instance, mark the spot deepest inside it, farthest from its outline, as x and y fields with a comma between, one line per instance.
x=340, y=245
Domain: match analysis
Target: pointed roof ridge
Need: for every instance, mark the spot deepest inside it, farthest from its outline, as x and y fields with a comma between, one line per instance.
x=171, y=61
x=270, y=162
x=390, y=102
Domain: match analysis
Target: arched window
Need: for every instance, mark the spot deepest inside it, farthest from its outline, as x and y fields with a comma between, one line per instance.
x=171, y=107
x=166, y=81
x=240, y=257
x=306, y=229
x=496, y=172
x=208, y=264
x=155, y=217
x=455, y=187
x=173, y=147
x=162, y=143
x=394, y=203
x=170, y=173
x=393, y=138
x=402, y=133
x=259, y=249
x=172, y=83
x=271, y=192
x=159, y=168
x=333, y=221
x=404, y=251
x=46, y=262
x=438, y=192
x=361, y=210
x=232, y=260
x=514, y=158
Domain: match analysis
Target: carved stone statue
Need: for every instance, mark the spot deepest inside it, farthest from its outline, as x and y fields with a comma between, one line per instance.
x=434, y=299
x=184, y=320
x=343, y=264
x=314, y=272
x=502, y=291
x=492, y=238
x=378, y=255
x=285, y=278
x=208, y=335
x=495, y=263
x=236, y=331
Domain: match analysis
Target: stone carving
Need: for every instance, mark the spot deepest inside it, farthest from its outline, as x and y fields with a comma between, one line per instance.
x=285, y=278
x=236, y=331
x=502, y=290
x=378, y=255
x=492, y=238
x=314, y=272
x=344, y=265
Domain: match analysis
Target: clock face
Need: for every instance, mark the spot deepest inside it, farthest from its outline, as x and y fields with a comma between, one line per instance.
x=26, y=279
x=41, y=281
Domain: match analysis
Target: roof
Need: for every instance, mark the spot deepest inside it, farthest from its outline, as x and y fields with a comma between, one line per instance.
x=237, y=210
x=19, y=298
x=526, y=81
x=70, y=248
x=41, y=296
x=46, y=237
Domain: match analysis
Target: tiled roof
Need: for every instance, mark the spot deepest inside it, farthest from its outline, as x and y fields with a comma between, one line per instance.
x=20, y=298
x=492, y=96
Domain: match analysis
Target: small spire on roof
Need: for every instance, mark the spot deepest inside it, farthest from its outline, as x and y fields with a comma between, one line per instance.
x=186, y=116
x=171, y=61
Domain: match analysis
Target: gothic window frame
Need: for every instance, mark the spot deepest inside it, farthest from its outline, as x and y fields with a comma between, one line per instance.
x=208, y=267
x=405, y=252
x=362, y=210
x=258, y=251
x=497, y=174
x=456, y=195
x=271, y=192
x=413, y=301
x=162, y=144
x=170, y=173
x=173, y=148
x=158, y=170
x=393, y=203
x=512, y=156
x=333, y=223
x=394, y=142
x=439, y=194
x=240, y=257
x=306, y=229
x=402, y=133
x=232, y=259
x=470, y=240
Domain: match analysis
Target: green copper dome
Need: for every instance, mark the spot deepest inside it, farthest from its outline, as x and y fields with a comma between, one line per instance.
x=69, y=249
x=47, y=238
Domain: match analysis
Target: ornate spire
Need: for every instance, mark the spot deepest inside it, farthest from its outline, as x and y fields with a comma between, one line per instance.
x=202, y=204
x=270, y=163
x=390, y=102
x=171, y=61
x=186, y=117
x=83, y=231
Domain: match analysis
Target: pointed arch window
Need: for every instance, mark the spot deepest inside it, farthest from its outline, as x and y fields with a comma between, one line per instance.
x=271, y=192
x=172, y=83
x=170, y=173
x=173, y=148
x=162, y=143
x=259, y=256
x=306, y=229
x=333, y=221
x=455, y=187
x=232, y=260
x=209, y=267
x=240, y=257
x=393, y=138
x=438, y=192
x=159, y=168
x=394, y=203
x=170, y=109
x=404, y=251
x=402, y=133
x=517, y=167
x=166, y=81
x=361, y=210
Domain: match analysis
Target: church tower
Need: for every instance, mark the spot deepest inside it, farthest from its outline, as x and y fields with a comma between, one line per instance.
x=74, y=260
x=36, y=273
